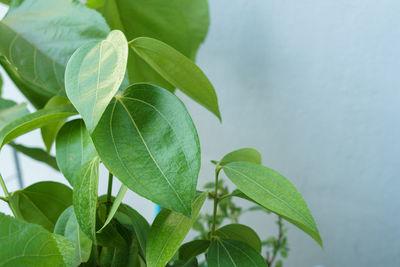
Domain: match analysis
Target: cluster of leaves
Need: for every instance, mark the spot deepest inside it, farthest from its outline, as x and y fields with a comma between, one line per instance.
x=71, y=59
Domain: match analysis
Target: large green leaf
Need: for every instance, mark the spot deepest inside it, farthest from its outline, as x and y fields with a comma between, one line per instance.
x=147, y=139
x=192, y=249
x=68, y=226
x=227, y=253
x=30, y=245
x=243, y=154
x=179, y=70
x=32, y=45
x=74, y=148
x=42, y=203
x=9, y=111
x=168, y=231
x=32, y=121
x=273, y=191
x=242, y=233
x=49, y=132
x=93, y=75
x=85, y=196
x=36, y=154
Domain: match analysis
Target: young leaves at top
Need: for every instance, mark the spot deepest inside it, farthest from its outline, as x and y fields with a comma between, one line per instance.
x=93, y=75
x=147, y=139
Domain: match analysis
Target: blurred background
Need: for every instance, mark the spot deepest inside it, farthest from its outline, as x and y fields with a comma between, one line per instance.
x=314, y=86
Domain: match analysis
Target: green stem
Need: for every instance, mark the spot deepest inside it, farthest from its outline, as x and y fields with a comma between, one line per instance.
x=109, y=191
x=7, y=197
x=216, y=200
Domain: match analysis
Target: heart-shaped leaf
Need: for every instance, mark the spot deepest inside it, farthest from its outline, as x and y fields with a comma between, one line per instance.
x=94, y=74
x=273, y=191
x=147, y=139
x=242, y=233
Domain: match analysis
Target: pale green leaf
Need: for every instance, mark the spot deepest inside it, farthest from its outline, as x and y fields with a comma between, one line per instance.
x=168, y=231
x=179, y=70
x=36, y=154
x=74, y=148
x=243, y=154
x=93, y=75
x=242, y=233
x=147, y=139
x=273, y=191
x=9, y=111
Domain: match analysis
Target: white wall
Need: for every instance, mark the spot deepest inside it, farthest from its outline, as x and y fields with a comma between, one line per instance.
x=313, y=85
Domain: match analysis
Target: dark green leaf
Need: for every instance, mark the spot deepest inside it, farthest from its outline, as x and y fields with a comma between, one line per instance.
x=49, y=132
x=177, y=69
x=68, y=226
x=32, y=121
x=32, y=45
x=93, y=75
x=74, y=148
x=36, y=154
x=85, y=196
x=30, y=245
x=227, y=253
x=243, y=154
x=147, y=139
x=192, y=249
x=168, y=231
x=242, y=233
x=9, y=111
x=273, y=191
x=42, y=203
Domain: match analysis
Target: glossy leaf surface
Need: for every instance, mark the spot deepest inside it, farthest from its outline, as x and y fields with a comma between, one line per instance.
x=273, y=191
x=30, y=245
x=178, y=70
x=42, y=203
x=242, y=233
x=68, y=226
x=168, y=231
x=36, y=154
x=243, y=154
x=74, y=148
x=147, y=139
x=93, y=75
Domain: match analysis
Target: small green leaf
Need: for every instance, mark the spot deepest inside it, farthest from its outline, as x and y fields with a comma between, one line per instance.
x=32, y=121
x=49, y=132
x=192, y=249
x=94, y=74
x=74, y=148
x=42, y=203
x=68, y=226
x=243, y=154
x=242, y=233
x=85, y=196
x=227, y=253
x=177, y=70
x=30, y=245
x=9, y=111
x=117, y=201
x=273, y=191
x=147, y=139
x=36, y=154
x=167, y=233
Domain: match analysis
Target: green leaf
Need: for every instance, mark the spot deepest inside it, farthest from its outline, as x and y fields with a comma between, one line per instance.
x=36, y=154
x=1, y=84
x=93, y=75
x=42, y=203
x=117, y=201
x=68, y=226
x=74, y=148
x=9, y=111
x=273, y=191
x=227, y=253
x=192, y=249
x=167, y=233
x=32, y=121
x=30, y=245
x=147, y=139
x=179, y=23
x=242, y=233
x=32, y=45
x=243, y=154
x=178, y=70
x=49, y=132
x=85, y=197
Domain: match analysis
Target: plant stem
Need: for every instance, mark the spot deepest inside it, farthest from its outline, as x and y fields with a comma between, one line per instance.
x=217, y=170
x=276, y=249
x=109, y=191
x=7, y=197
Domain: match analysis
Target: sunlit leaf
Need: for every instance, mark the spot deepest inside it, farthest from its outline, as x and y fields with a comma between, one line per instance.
x=243, y=154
